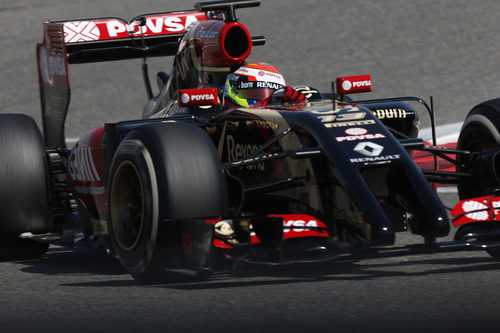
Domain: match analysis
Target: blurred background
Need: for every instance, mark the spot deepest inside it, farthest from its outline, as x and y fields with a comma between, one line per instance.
x=448, y=49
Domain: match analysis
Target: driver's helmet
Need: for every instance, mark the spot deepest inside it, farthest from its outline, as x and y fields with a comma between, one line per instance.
x=251, y=84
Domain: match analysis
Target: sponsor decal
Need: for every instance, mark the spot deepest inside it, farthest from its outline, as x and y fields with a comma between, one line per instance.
x=354, y=84
x=480, y=209
x=476, y=209
x=351, y=123
x=331, y=119
x=105, y=29
x=81, y=31
x=185, y=98
x=81, y=166
x=236, y=151
x=342, y=117
x=368, y=148
x=207, y=34
x=299, y=225
x=268, y=85
x=346, y=85
x=372, y=152
x=198, y=97
x=366, y=83
x=270, y=74
x=389, y=113
x=51, y=66
x=358, y=133
x=258, y=74
x=375, y=159
x=242, y=70
x=246, y=85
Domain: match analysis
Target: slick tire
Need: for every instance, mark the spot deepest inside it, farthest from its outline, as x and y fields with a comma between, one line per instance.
x=159, y=172
x=24, y=202
x=481, y=132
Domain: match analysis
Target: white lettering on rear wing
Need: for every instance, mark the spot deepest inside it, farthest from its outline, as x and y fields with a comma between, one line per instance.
x=107, y=29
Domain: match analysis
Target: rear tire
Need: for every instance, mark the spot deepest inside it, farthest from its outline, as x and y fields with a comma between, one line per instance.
x=481, y=132
x=160, y=171
x=24, y=203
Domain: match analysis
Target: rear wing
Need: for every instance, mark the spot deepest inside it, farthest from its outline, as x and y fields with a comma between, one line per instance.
x=108, y=39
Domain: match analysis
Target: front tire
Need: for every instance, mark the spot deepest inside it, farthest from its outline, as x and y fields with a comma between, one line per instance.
x=160, y=172
x=481, y=133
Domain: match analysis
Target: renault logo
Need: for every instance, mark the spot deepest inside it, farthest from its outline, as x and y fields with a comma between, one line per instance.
x=368, y=148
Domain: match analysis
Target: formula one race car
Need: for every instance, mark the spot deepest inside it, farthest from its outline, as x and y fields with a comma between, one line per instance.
x=196, y=186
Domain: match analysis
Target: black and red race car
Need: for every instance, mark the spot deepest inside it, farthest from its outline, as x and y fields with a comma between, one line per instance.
x=195, y=187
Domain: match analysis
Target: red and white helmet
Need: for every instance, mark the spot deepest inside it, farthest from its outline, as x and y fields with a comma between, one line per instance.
x=251, y=84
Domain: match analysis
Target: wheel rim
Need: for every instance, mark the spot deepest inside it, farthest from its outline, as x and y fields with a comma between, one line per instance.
x=127, y=206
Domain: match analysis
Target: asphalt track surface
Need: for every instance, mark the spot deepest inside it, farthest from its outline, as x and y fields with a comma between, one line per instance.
x=448, y=49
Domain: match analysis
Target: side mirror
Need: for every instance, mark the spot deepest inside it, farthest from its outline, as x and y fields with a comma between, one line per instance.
x=161, y=80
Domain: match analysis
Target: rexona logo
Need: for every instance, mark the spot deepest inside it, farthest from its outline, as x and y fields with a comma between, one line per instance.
x=198, y=97
x=354, y=84
x=236, y=151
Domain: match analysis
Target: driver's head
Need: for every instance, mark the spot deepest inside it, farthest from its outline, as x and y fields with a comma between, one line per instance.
x=251, y=84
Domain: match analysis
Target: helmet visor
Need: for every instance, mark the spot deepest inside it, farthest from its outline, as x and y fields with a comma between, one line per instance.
x=252, y=91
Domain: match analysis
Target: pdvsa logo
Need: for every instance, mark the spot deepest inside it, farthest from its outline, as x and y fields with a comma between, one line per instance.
x=356, y=131
x=354, y=84
x=358, y=84
x=346, y=85
x=299, y=225
x=205, y=97
x=198, y=97
x=367, y=136
x=104, y=29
